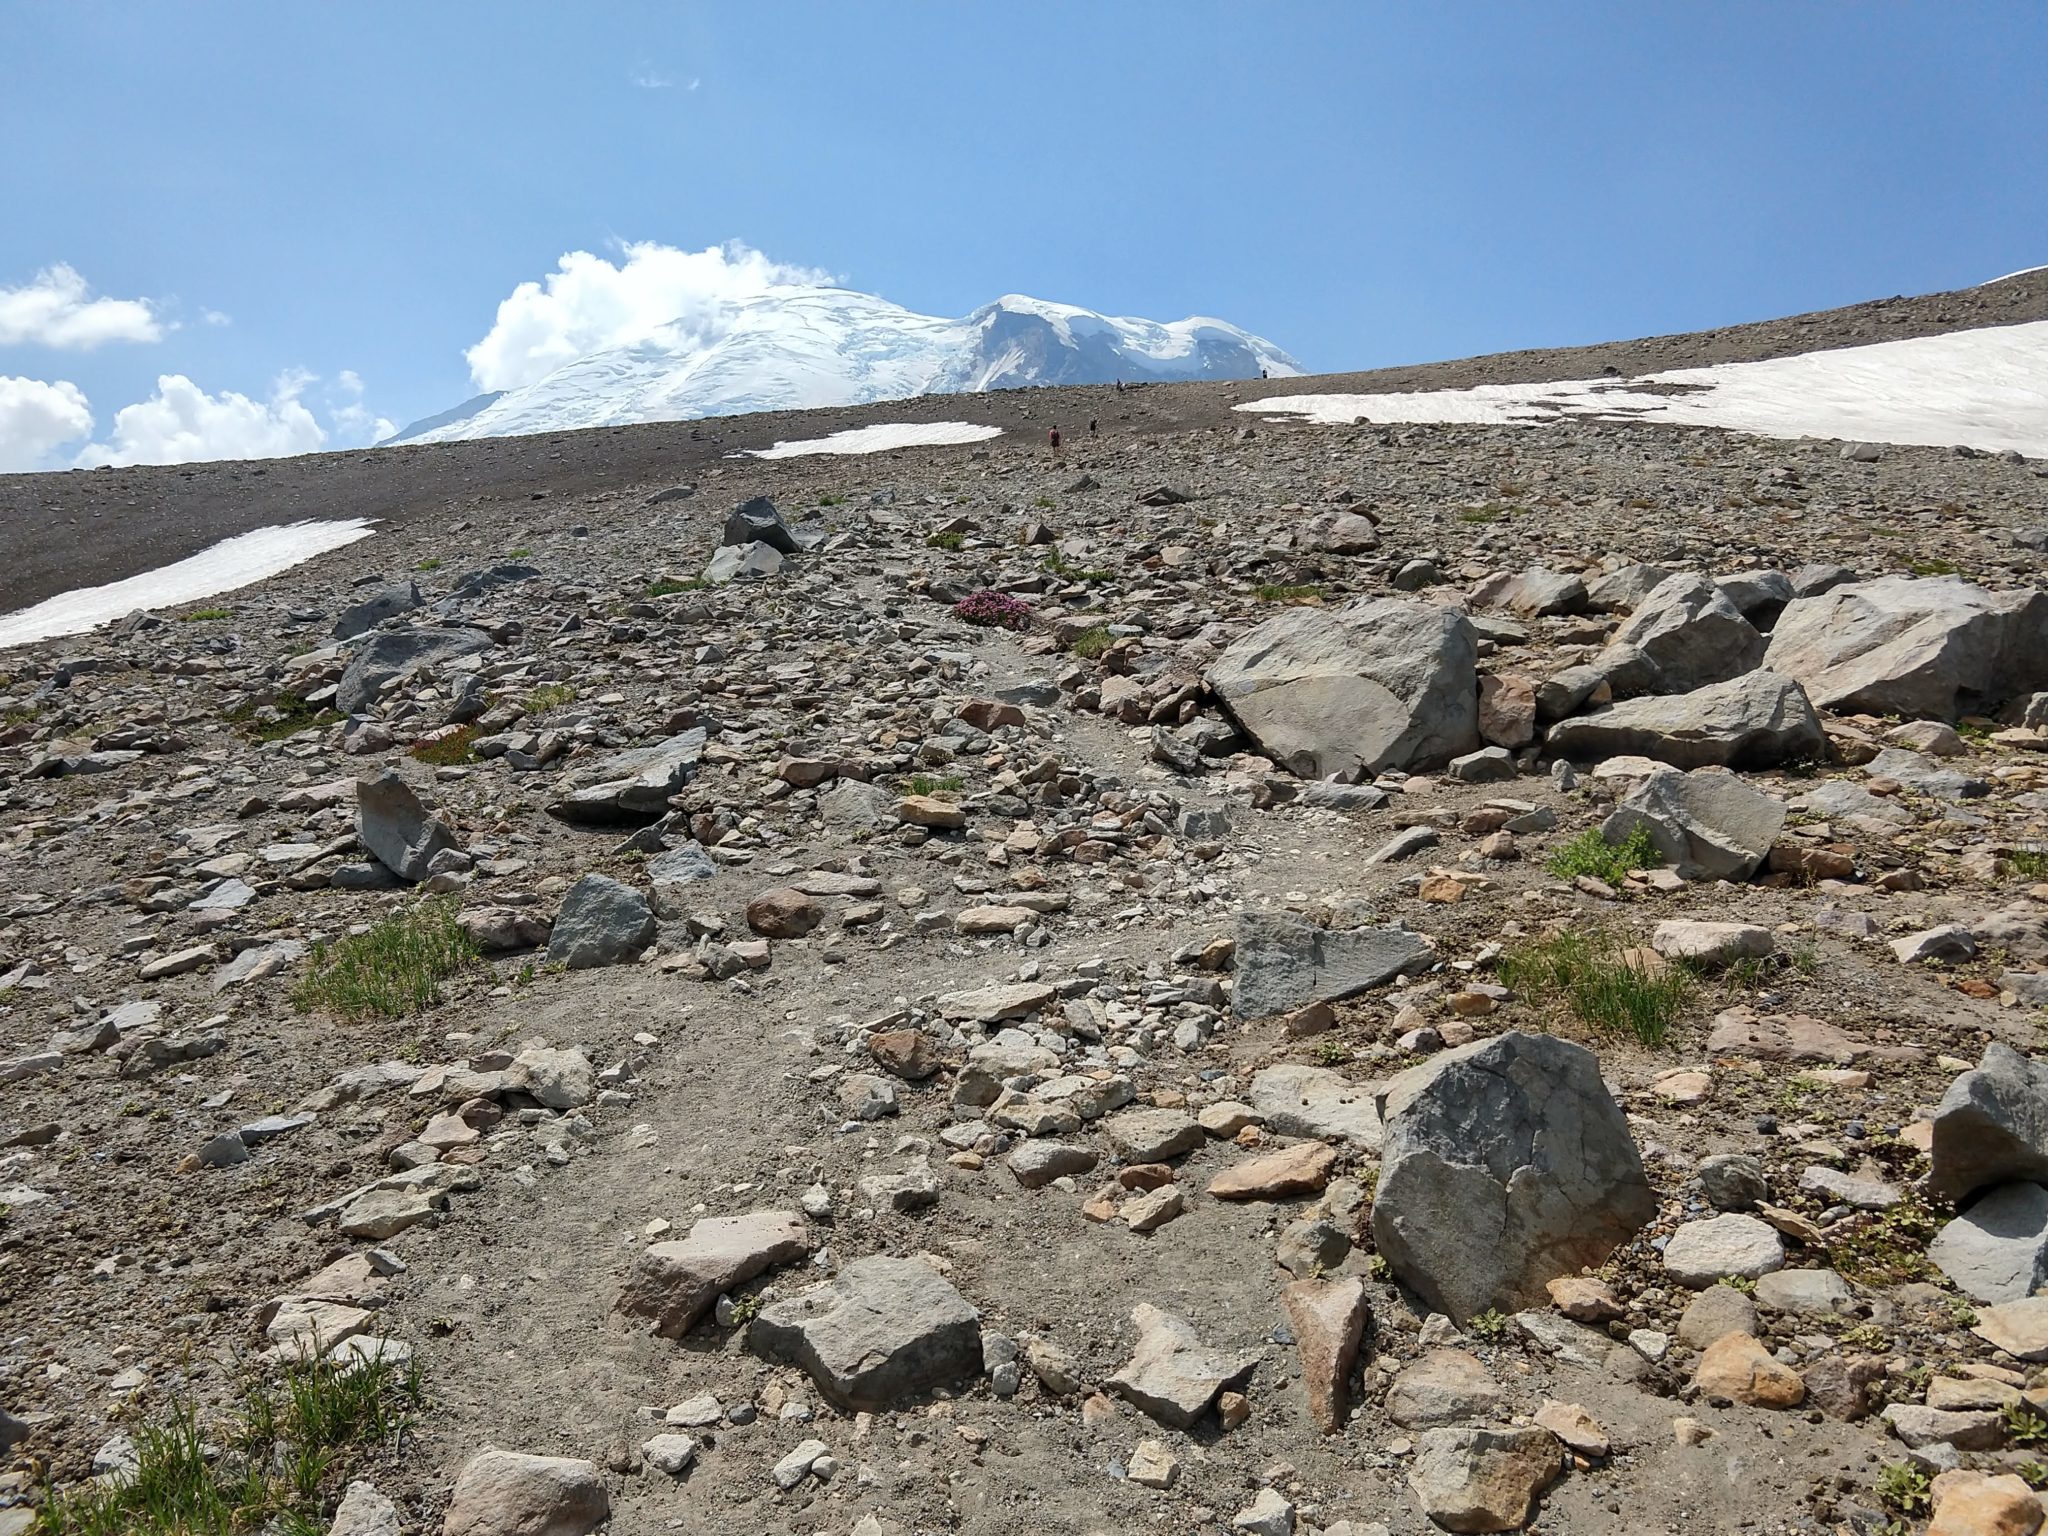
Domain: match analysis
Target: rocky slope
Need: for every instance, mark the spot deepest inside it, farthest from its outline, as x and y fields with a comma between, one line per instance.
x=1114, y=1071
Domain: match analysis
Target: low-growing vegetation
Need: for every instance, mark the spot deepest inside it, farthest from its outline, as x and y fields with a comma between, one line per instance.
x=275, y=1464
x=286, y=715
x=546, y=697
x=930, y=784
x=1589, y=974
x=394, y=969
x=994, y=610
x=951, y=541
x=669, y=586
x=202, y=615
x=1091, y=643
x=1591, y=854
x=450, y=748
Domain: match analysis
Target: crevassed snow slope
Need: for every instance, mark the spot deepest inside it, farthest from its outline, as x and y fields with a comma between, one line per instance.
x=801, y=347
x=1985, y=388
x=882, y=437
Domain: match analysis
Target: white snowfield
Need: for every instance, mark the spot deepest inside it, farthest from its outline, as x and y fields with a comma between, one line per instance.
x=797, y=348
x=1985, y=388
x=232, y=563
x=881, y=438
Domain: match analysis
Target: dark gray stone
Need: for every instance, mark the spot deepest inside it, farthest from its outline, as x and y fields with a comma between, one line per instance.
x=884, y=1330
x=601, y=923
x=632, y=786
x=1991, y=1126
x=1692, y=633
x=396, y=827
x=386, y=602
x=1285, y=962
x=397, y=653
x=1758, y=720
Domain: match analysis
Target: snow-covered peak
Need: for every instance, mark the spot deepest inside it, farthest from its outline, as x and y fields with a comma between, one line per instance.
x=794, y=348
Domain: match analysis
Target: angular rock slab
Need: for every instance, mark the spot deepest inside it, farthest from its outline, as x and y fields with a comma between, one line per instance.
x=633, y=786
x=502, y=1493
x=395, y=653
x=1923, y=648
x=1505, y=1163
x=1352, y=691
x=676, y=1283
x=1172, y=1375
x=601, y=923
x=1758, y=720
x=1484, y=1479
x=883, y=1330
x=1997, y=1250
x=1991, y=1126
x=1692, y=633
x=397, y=828
x=1712, y=825
x=1328, y=1318
x=1297, y=1100
x=1285, y=962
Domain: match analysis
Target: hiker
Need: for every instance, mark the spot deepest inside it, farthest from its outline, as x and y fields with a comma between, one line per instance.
x=1119, y=386
x=1091, y=426
x=1053, y=436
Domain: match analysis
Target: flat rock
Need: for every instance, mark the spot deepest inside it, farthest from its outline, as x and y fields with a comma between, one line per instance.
x=1737, y=1367
x=1805, y=1292
x=1329, y=1319
x=1997, y=1250
x=1483, y=1479
x=882, y=1331
x=1293, y=1099
x=1285, y=962
x=990, y=1005
x=1445, y=1386
x=503, y=1493
x=1710, y=943
x=1702, y=1252
x=2020, y=1328
x=634, y=786
x=1152, y=1135
x=1171, y=1375
x=675, y=1283
x=1757, y=720
x=1711, y=825
x=393, y=654
x=1297, y=1170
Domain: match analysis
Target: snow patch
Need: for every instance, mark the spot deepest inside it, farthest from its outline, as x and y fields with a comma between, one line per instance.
x=1984, y=388
x=236, y=562
x=881, y=438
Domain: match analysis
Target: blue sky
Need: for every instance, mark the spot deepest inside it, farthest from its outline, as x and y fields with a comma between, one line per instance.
x=314, y=212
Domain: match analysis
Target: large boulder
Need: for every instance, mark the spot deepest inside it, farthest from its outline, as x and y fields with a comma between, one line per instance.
x=1339, y=694
x=503, y=1493
x=601, y=923
x=1991, y=1126
x=632, y=786
x=387, y=602
x=1712, y=825
x=1924, y=648
x=400, y=832
x=1757, y=720
x=1286, y=962
x=759, y=522
x=1504, y=1164
x=1692, y=633
x=399, y=653
x=883, y=1330
x=1997, y=1250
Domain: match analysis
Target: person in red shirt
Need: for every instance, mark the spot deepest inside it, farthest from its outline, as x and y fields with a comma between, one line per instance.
x=1053, y=436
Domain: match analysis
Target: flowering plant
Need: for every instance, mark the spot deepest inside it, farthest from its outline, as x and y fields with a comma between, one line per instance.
x=994, y=610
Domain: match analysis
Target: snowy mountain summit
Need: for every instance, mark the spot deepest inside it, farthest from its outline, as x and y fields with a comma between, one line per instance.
x=794, y=348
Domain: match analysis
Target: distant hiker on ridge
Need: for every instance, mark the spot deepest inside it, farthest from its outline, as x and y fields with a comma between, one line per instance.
x=1053, y=436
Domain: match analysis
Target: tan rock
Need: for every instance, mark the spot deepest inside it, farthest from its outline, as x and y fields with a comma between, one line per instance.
x=1297, y=1170
x=502, y=1493
x=1578, y=1429
x=1978, y=1504
x=784, y=913
x=1584, y=1300
x=1737, y=1367
x=676, y=1283
x=928, y=811
x=1483, y=1479
x=1328, y=1318
x=910, y=1054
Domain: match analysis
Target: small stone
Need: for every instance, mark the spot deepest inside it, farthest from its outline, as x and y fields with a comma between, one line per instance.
x=1740, y=1369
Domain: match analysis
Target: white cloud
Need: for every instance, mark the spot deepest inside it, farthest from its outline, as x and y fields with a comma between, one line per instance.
x=587, y=302
x=651, y=80
x=56, y=309
x=182, y=422
x=216, y=317
x=355, y=424
x=36, y=419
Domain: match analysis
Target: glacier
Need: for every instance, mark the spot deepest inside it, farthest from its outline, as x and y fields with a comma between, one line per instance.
x=797, y=348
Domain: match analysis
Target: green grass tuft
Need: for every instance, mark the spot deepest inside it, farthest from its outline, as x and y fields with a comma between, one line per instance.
x=928, y=784
x=2025, y=864
x=458, y=746
x=281, y=1457
x=201, y=615
x=953, y=541
x=668, y=586
x=1091, y=643
x=394, y=969
x=1057, y=564
x=1591, y=854
x=293, y=715
x=548, y=696
x=1932, y=567
x=1588, y=975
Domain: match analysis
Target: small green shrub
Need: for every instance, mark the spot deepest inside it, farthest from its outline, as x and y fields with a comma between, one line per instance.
x=1591, y=854
x=1332, y=1053
x=1905, y=1487
x=458, y=746
x=1057, y=564
x=1932, y=567
x=201, y=615
x=1891, y=1248
x=669, y=586
x=930, y=784
x=2024, y=1424
x=1490, y=1325
x=1275, y=593
x=2025, y=864
x=1588, y=975
x=431, y=563
x=1091, y=643
x=830, y=499
x=548, y=696
x=518, y=554
x=292, y=715
x=394, y=969
x=952, y=541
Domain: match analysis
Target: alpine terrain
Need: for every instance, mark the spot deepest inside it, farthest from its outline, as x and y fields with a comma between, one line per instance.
x=1461, y=949
x=801, y=347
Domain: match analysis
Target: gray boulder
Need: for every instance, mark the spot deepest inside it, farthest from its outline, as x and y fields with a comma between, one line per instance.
x=387, y=602
x=1712, y=825
x=1624, y=589
x=1379, y=684
x=883, y=1330
x=1991, y=1126
x=504, y=1493
x=1997, y=1250
x=1692, y=633
x=399, y=653
x=676, y=1283
x=632, y=786
x=1538, y=592
x=491, y=579
x=1504, y=1164
x=1759, y=596
x=1924, y=648
x=759, y=522
x=400, y=832
x=601, y=923
x=742, y=562
x=1286, y=962
x=1757, y=720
